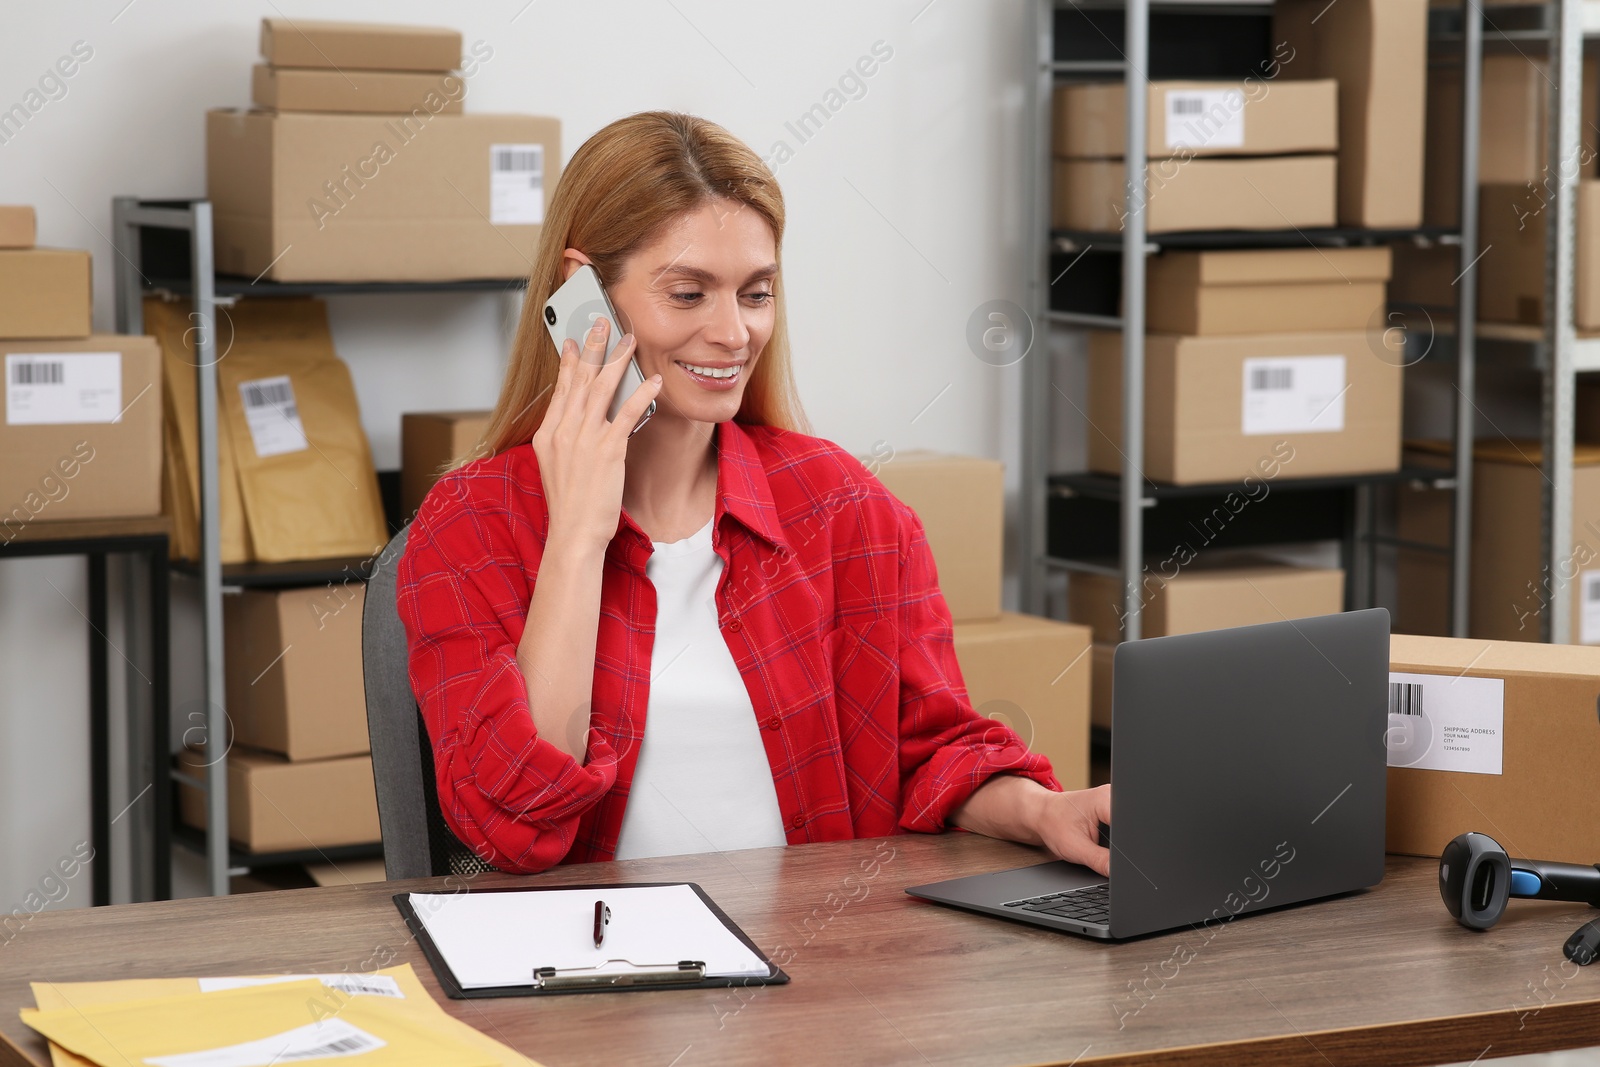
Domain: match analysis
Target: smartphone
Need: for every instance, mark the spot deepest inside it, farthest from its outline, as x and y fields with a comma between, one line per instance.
x=571, y=311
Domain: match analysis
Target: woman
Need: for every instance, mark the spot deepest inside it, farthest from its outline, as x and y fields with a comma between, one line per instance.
x=721, y=632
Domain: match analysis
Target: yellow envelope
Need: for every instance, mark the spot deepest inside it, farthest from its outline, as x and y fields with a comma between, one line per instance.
x=256, y=1026
x=49, y=995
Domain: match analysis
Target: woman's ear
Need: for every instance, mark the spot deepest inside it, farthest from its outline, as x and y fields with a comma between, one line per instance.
x=571, y=260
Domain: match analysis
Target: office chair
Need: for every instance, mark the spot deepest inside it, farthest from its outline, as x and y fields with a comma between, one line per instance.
x=417, y=842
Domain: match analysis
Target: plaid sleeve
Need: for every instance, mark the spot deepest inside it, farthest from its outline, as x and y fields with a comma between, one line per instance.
x=512, y=797
x=947, y=750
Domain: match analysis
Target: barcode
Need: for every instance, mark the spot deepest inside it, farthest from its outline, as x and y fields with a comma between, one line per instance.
x=342, y=1046
x=344, y=985
x=517, y=159
x=267, y=394
x=1271, y=378
x=51, y=372
x=1405, y=698
x=1187, y=105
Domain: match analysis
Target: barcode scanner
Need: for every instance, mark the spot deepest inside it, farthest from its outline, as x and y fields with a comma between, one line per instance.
x=1477, y=878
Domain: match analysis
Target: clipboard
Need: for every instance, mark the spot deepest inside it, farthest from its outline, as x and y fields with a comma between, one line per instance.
x=553, y=981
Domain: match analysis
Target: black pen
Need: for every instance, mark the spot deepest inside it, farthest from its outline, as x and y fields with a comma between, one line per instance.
x=602, y=918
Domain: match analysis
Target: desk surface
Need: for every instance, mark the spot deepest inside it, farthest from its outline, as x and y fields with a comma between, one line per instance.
x=1382, y=976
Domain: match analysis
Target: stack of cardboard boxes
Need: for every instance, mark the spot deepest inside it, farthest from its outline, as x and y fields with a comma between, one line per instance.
x=1031, y=674
x=81, y=432
x=359, y=165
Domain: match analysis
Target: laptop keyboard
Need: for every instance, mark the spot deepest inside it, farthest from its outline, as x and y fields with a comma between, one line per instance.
x=1092, y=904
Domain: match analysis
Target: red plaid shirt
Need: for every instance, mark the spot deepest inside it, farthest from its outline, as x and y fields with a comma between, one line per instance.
x=829, y=603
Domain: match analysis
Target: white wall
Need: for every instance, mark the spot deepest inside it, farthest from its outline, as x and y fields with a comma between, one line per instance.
x=905, y=214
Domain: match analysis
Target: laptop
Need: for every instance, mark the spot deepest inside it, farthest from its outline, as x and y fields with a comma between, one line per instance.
x=1248, y=771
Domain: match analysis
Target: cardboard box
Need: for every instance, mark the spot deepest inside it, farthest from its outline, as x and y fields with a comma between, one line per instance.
x=18, y=226
x=47, y=293
x=421, y=197
x=1542, y=698
x=429, y=440
x=1200, y=118
x=1281, y=290
x=366, y=91
x=1511, y=272
x=1032, y=674
x=1423, y=516
x=1377, y=50
x=1101, y=657
x=1424, y=274
x=961, y=502
x=1513, y=128
x=359, y=45
x=294, y=684
x=1318, y=403
x=1207, y=596
x=63, y=456
x=275, y=805
x=1273, y=193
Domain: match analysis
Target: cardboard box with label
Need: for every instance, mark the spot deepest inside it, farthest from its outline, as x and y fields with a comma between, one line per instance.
x=1377, y=50
x=47, y=293
x=1497, y=737
x=1206, y=595
x=1280, y=290
x=428, y=441
x=1511, y=273
x=1253, y=118
x=294, y=683
x=81, y=433
x=1252, y=193
x=363, y=91
x=961, y=502
x=359, y=45
x=275, y=805
x=338, y=197
x=1032, y=674
x=1513, y=128
x=1220, y=408
x=18, y=226
x=1509, y=589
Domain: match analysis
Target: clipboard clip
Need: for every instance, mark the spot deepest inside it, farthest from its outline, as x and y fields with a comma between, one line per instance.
x=684, y=972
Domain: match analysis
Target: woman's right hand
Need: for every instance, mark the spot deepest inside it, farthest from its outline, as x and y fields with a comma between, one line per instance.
x=581, y=454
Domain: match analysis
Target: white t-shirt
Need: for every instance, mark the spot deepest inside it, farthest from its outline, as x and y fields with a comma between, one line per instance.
x=703, y=782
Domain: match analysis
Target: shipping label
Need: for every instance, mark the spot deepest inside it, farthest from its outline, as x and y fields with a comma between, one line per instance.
x=1440, y=722
x=63, y=387
x=516, y=184
x=1294, y=394
x=273, y=418
x=1205, y=118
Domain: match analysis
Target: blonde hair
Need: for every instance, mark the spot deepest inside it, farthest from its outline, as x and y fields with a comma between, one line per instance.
x=623, y=186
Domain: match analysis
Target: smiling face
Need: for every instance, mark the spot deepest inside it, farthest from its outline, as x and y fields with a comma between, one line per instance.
x=699, y=300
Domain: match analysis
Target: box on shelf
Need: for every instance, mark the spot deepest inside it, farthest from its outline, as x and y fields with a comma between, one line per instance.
x=1219, y=409
x=961, y=502
x=18, y=226
x=1280, y=290
x=1513, y=130
x=1511, y=272
x=47, y=293
x=359, y=45
x=1377, y=50
x=81, y=433
x=1509, y=590
x=1101, y=658
x=1424, y=274
x=278, y=806
x=294, y=681
x=1529, y=711
x=337, y=197
x=1423, y=516
x=1200, y=118
x=363, y=91
x=1207, y=595
x=1032, y=674
x=428, y=441
x=1265, y=193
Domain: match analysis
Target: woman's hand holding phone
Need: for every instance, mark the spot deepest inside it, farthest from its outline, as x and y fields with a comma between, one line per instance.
x=581, y=454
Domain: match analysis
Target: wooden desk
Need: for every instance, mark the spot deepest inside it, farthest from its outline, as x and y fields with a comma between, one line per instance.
x=1384, y=976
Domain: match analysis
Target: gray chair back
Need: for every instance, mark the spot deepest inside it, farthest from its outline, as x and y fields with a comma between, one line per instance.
x=417, y=842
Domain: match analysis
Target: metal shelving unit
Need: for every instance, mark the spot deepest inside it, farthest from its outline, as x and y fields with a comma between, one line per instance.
x=1134, y=501
x=167, y=244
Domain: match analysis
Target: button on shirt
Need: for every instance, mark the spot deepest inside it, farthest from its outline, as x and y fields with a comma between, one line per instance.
x=702, y=783
x=829, y=606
